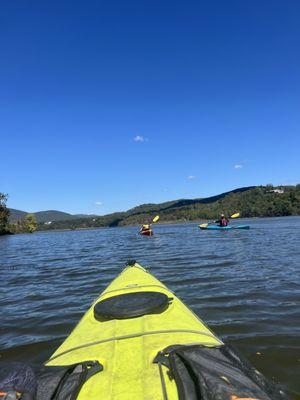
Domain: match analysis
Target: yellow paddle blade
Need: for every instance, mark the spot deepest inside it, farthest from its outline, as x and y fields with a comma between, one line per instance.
x=155, y=219
x=203, y=225
x=236, y=215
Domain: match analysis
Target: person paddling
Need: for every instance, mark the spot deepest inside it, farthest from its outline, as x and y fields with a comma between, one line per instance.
x=222, y=221
x=145, y=228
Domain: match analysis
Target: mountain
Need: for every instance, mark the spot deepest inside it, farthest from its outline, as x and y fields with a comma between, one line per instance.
x=45, y=216
x=150, y=208
x=252, y=201
x=14, y=215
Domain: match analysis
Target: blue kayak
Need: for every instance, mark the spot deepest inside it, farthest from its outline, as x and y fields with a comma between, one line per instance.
x=223, y=228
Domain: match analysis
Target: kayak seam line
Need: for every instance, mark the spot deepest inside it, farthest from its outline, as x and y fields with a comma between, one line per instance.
x=132, y=336
x=134, y=287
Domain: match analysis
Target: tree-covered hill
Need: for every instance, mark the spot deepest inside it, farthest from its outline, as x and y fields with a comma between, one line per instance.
x=15, y=215
x=259, y=201
x=44, y=216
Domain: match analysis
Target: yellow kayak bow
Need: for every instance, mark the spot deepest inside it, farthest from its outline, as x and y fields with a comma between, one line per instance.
x=126, y=347
x=147, y=345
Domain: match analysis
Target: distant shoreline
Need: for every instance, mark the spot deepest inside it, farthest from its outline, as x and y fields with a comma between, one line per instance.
x=198, y=222
x=249, y=202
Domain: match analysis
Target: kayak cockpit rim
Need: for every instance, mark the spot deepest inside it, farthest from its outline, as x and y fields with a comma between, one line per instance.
x=141, y=334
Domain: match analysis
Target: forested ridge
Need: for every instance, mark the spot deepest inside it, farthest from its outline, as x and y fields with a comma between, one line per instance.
x=44, y=216
x=259, y=201
x=254, y=201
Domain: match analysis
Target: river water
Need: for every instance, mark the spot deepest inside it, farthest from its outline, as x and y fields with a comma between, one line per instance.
x=244, y=284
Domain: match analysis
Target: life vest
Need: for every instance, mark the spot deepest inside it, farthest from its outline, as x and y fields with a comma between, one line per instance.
x=223, y=222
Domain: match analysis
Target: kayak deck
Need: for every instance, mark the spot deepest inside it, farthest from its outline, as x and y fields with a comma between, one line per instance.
x=127, y=347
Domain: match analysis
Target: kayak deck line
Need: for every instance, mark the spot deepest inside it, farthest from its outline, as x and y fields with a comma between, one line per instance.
x=134, y=287
x=139, y=334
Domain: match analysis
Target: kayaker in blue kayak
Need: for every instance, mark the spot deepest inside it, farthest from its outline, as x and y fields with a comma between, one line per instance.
x=222, y=221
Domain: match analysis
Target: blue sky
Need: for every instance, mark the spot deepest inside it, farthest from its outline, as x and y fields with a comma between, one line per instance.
x=135, y=102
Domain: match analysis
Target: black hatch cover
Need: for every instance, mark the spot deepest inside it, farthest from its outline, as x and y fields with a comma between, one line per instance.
x=130, y=305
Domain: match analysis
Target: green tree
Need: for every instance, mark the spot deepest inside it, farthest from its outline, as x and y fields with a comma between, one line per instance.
x=30, y=223
x=4, y=214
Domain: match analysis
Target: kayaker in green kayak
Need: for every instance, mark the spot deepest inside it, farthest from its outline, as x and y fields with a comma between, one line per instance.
x=222, y=221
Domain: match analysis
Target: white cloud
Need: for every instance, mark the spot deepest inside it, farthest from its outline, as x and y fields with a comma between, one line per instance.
x=98, y=203
x=139, y=138
x=238, y=166
x=191, y=177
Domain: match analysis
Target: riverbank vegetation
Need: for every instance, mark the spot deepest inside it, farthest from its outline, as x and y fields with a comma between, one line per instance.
x=27, y=224
x=4, y=214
